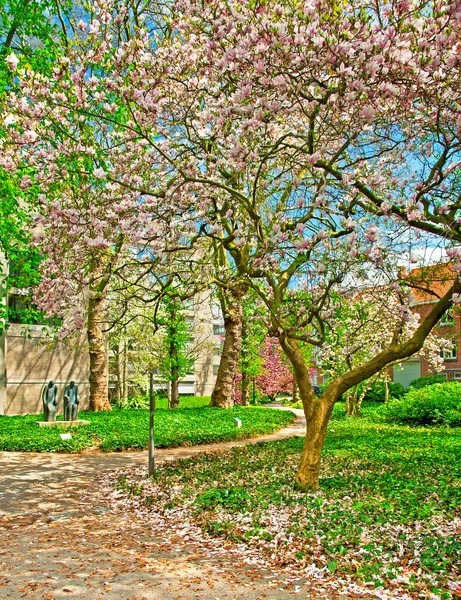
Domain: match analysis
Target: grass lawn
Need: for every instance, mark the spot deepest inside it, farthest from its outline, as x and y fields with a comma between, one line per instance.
x=388, y=513
x=125, y=429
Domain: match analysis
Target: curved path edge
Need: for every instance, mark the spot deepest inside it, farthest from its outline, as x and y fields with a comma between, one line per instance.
x=23, y=473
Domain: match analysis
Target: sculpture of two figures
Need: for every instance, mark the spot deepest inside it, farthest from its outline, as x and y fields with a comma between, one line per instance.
x=50, y=401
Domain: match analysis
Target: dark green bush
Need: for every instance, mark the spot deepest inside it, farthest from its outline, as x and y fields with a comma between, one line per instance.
x=427, y=380
x=433, y=405
x=377, y=392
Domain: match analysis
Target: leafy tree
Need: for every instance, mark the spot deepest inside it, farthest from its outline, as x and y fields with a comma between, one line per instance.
x=253, y=335
x=176, y=352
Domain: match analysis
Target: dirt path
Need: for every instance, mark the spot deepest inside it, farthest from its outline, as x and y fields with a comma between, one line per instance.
x=59, y=538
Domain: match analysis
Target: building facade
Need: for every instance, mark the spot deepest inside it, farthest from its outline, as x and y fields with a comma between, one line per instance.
x=30, y=358
x=437, y=280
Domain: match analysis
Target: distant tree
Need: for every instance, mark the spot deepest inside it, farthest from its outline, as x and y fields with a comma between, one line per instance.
x=176, y=351
x=275, y=376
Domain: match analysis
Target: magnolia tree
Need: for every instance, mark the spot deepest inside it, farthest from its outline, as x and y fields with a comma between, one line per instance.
x=94, y=225
x=303, y=132
x=299, y=138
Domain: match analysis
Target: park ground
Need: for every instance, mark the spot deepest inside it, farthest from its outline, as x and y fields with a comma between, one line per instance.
x=213, y=526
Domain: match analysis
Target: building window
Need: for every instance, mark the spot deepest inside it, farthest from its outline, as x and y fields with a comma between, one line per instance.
x=448, y=319
x=457, y=375
x=217, y=350
x=450, y=354
x=216, y=310
x=218, y=329
x=22, y=310
x=189, y=304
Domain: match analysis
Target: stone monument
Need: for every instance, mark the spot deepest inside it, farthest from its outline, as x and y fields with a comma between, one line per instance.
x=50, y=401
x=71, y=401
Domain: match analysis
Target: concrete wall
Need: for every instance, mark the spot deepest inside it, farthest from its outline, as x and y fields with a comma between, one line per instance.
x=205, y=317
x=32, y=360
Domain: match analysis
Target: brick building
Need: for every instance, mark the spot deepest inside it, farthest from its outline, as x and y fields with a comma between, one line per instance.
x=430, y=284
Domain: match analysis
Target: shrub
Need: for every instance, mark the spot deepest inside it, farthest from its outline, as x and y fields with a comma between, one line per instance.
x=377, y=392
x=433, y=405
x=427, y=380
x=133, y=402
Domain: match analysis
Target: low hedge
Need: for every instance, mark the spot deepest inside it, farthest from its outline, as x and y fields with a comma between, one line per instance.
x=377, y=392
x=427, y=380
x=438, y=404
x=122, y=429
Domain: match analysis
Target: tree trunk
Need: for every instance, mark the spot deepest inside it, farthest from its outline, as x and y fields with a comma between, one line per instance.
x=119, y=373
x=351, y=401
x=173, y=399
x=386, y=391
x=317, y=411
x=223, y=393
x=99, y=393
x=245, y=389
x=295, y=396
x=125, y=373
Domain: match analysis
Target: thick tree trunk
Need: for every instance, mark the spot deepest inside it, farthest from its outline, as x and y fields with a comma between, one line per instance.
x=245, y=389
x=317, y=411
x=223, y=393
x=99, y=394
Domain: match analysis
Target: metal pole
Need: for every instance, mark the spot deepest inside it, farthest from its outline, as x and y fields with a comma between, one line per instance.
x=151, y=464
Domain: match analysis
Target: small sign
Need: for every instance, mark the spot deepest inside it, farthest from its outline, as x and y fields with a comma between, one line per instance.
x=65, y=436
x=238, y=421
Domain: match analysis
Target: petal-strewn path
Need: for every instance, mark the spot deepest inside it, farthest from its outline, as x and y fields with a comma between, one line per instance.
x=59, y=539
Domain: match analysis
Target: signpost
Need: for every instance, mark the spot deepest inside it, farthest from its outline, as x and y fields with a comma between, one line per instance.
x=151, y=464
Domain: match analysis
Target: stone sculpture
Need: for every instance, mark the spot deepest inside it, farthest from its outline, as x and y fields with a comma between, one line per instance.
x=50, y=401
x=71, y=401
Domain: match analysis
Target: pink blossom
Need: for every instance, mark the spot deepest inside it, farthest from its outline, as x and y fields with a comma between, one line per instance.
x=12, y=61
x=372, y=233
x=456, y=299
x=99, y=173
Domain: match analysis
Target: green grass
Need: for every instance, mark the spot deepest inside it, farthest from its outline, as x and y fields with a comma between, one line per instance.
x=127, y=429
x=389, y=509
x=185, y=402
